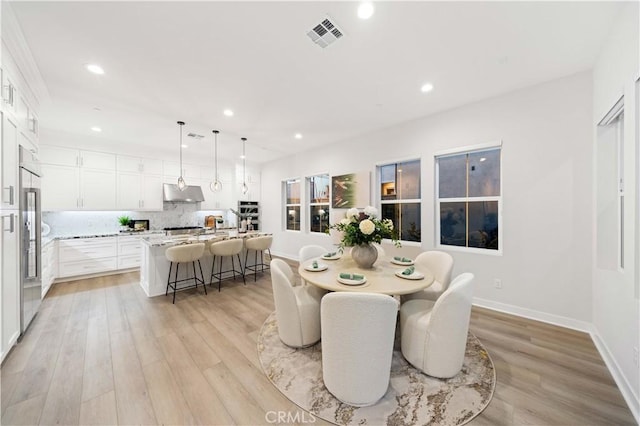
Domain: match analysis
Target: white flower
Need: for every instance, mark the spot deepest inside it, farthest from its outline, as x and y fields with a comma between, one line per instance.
x=367, y=227
x=353, y=213
x=389, y=224
x=371, y=211
x=345, y=221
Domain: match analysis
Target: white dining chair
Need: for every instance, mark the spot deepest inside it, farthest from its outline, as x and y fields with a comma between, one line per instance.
x=358, y=331
x=441, y=266
x=434, y=334
x=297, y=307
x=311, y=251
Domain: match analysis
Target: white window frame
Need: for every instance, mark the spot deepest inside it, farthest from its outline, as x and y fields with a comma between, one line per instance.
x=407, y=201
x=310, y=204
x=459, y=151
x=288, y=206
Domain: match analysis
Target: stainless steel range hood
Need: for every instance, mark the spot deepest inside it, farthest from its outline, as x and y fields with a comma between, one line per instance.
x=191, y=194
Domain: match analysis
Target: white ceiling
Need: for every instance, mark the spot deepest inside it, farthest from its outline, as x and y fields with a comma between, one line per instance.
x=169, y=61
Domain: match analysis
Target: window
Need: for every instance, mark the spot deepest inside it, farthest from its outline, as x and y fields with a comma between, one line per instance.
x=610, y=196
x=318, y=187
x=468, y=199
x=292, y=204
x=400, y=197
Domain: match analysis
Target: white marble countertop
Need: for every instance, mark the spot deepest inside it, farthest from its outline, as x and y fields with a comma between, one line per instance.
x=102, y=234
x=165, y=240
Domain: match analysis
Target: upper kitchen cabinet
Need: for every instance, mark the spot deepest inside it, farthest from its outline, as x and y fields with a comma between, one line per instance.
x=9, y=155
x=72, y=157
x=171, y=169
x=147, y=166
x=9, y=94
x=138, y=191
x=77, y=180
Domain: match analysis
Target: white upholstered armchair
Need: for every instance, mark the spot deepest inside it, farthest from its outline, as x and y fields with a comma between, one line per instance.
x=434, y=334
x=297, y=307
x=358, y=330
x=441, y=266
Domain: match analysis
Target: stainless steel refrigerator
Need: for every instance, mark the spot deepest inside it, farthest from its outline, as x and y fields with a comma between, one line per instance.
x=30, y=238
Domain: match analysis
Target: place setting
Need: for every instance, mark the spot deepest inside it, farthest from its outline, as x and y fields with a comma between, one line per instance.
x=335, y=255
x=348, y=278
x=409, y=273
x=316, y=266
x=404, y=261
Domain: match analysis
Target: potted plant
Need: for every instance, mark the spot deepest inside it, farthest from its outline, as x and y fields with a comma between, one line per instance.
x=124, y=222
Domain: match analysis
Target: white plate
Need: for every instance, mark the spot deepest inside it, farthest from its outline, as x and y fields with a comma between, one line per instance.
x=321, y=267
x=346, y=281
x=335, y=257
x=415, y=276
x=397, y=262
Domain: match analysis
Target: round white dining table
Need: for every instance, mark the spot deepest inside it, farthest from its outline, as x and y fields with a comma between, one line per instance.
x=380, y=279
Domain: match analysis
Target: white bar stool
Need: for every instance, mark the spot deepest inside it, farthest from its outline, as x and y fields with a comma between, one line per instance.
x=184, y=253
x=222, y=249
x=259, y=244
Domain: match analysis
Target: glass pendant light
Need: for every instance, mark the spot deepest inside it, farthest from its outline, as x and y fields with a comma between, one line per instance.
x=181, y=183
x=216, y=185
x=245, y=188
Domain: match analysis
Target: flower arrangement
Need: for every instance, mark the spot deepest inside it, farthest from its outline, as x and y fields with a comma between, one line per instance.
x=364, y=228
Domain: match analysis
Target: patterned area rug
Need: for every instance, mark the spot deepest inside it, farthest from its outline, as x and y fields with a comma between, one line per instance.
x=413, y=398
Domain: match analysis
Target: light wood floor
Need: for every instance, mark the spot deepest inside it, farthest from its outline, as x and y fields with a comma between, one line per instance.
x=100, y=352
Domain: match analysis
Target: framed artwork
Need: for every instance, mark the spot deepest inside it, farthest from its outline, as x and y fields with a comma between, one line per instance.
x=350, y=190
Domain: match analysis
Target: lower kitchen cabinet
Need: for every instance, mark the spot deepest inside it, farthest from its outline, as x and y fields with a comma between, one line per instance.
x=10, y=276
x=87, y=256
x=49, y=265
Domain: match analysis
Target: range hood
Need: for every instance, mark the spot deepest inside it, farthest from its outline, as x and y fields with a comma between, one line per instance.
x=191, y=194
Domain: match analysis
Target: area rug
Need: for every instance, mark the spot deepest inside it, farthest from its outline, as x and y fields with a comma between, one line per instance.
x=413, y=398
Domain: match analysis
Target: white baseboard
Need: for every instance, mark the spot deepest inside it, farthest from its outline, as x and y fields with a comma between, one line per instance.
x=12, y=343
x=623, y=384
x=285, y=255
x=559, y=320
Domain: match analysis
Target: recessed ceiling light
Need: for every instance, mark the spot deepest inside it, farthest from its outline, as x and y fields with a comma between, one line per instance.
x=184, y=145
x=96, y=69
x=298, y=136
x=426, y=88
x=228, y=113
x=96, y=129
x=365, y=10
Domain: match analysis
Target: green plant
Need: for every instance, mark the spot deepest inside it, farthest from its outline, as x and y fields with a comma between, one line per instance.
x=124, y=220
x=365, y=228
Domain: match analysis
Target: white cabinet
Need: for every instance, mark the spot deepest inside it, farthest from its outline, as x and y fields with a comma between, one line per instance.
x=129, y=252
x=9, y=155
x=9, y=93
x=220, y=200
x=60, y=190
x=49, y=265
x=10, y=288
x=139, y=183
x=97, y=189
x=147, y=166
x=87, y=256
x=171, y=170
x=77, y=180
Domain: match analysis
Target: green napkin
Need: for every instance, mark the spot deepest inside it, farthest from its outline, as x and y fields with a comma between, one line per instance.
x=356, y=277
x=408, y=271
x=315, y=264
x=330, y=254
x=401, y=259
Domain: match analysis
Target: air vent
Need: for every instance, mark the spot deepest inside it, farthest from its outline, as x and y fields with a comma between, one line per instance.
x=195, y=136
x=325, y=33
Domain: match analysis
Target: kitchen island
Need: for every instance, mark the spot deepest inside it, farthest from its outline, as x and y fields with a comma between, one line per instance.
x=154, y=266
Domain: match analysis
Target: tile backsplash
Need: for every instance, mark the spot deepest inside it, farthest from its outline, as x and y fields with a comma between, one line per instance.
x=98, y=222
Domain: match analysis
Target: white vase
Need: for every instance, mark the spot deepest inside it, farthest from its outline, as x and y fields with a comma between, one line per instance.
x=365, y=255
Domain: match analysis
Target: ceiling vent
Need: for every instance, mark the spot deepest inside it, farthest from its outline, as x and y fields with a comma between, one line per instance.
x=325, y=33
x=195, y=136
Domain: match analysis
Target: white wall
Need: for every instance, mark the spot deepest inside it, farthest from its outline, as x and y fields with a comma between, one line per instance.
x=616, y=313
x=547, y=234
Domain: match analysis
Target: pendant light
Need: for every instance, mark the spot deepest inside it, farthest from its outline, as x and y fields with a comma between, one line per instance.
x=216, y=185
x=245, y=188
x=181, y=183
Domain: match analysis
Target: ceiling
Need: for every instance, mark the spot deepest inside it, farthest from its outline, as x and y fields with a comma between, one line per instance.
x=169, y=61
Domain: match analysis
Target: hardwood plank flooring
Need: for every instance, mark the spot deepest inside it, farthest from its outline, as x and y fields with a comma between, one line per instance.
x=101, y=352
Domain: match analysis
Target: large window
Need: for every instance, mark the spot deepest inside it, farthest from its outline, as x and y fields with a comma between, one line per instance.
x=318, y=190
x=469, y=199
x=400, y=197
x=292, y=204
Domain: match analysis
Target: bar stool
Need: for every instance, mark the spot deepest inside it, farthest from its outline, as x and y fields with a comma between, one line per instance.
x=259, y=244
x=184, y=254
x=222, y=249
